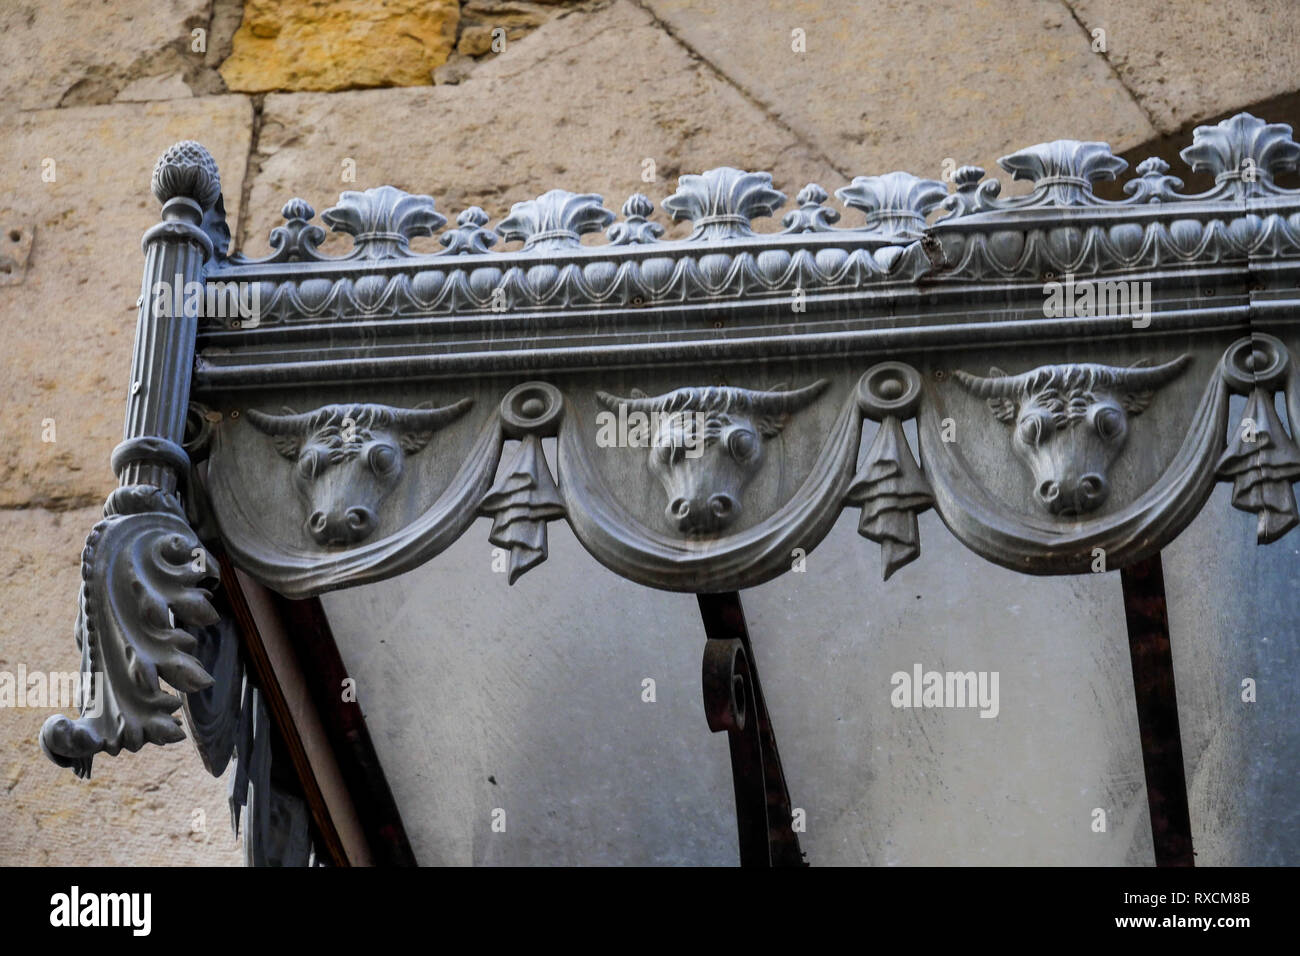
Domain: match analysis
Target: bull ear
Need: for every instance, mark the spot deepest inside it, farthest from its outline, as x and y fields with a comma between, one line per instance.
x=289, y=445
x=411, y=441
x=1004, y=409
x=1135, y=403
x=769, y=426
x=637, y=393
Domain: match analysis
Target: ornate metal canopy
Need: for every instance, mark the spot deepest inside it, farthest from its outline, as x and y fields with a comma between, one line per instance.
x=328, y=421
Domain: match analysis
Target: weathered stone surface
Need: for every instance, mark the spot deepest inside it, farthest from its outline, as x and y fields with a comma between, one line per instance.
x=480, y=18
x=457, y=67
x=497, y=138
x=69, y=324
x=1186, y=62
x=307, y=45
x=893, y=84
x=69, y=53
x=171, y=87
x=157, y=807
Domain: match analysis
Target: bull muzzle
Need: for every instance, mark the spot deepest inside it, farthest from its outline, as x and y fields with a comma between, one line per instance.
x=1073, y=496
x=702, y=514
x=341, y=526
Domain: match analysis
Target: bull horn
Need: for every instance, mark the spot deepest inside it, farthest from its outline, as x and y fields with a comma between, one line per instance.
x=635, y=403
x=998, y=385
x=1144, y=378
x=429, y=419
x=291, y=423
x=784, y=402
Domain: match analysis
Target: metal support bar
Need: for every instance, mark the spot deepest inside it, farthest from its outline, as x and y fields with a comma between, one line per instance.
x=733, y=702
x=1157, y=708
x=329, y=844
x=324, y=673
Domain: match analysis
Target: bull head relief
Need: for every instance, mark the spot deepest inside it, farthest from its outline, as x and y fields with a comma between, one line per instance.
x=1071, y=422
x=347, y=458
x=707, y=443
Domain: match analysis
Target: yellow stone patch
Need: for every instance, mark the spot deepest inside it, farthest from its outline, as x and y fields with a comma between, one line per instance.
x=339, y=44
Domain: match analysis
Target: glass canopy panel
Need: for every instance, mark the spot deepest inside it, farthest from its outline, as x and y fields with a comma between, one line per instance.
x=942, y=785
x=1233, y=608
x=529, y=699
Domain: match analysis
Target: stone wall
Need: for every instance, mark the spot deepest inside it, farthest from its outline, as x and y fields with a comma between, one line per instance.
x=483, y=102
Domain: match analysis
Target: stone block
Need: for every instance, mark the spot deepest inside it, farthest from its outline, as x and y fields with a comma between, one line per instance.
x=306, y=45
x=498, y=138
x=77, y=181
x=893, y=84
x=1187, y=62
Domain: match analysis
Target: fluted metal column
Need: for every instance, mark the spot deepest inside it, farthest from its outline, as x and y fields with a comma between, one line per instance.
x=187, y=184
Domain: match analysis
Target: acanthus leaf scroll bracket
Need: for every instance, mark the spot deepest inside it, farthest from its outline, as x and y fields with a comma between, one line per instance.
x=145, y=576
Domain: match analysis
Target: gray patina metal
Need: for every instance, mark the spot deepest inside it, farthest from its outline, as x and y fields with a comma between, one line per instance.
x=1125, y=327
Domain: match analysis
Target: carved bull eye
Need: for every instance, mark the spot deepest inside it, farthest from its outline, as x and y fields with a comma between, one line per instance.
x=310, y=462
x=743, y=445
x=1108, y=422
x=1031, y=429
x=382, y=459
